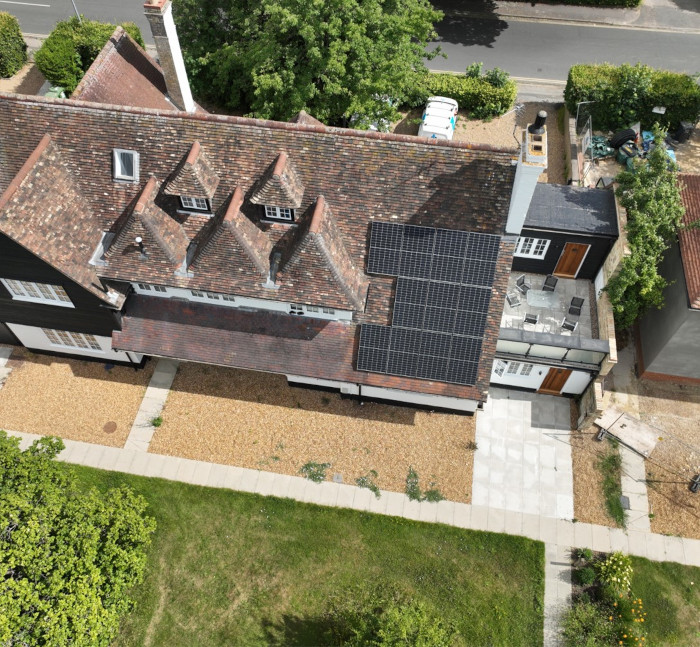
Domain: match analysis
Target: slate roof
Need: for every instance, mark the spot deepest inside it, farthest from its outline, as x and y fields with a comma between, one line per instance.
x=689, y=238
x=364, y=176
x=576, y=209
x=43, y=211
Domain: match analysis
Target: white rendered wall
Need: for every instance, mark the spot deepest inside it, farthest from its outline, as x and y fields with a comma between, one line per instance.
x=577, y=382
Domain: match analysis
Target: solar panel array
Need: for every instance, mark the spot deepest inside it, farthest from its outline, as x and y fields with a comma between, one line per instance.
x=442, y=298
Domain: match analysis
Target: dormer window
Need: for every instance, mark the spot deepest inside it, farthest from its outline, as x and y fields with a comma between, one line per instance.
x=279, y=213
x=125, y=165
x=195, y=204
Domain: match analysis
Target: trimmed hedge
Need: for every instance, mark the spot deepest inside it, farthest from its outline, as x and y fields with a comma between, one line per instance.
x=72, y=46
x=624, y=94
x=592, y=3
x=476, y=96
x=13, y=49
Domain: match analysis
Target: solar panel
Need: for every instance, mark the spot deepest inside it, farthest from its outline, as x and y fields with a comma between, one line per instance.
x=443, y=293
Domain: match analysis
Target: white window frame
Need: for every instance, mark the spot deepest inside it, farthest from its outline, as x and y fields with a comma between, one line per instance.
x=118, y=171
x=284, y=214
x=513, y=368
x=33, y=292
x=194, y=204
x=67, y=339
x=528, y=247
x=500, y=367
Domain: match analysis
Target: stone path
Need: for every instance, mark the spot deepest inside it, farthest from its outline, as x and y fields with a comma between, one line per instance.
x=634, y=487
x=557, y=591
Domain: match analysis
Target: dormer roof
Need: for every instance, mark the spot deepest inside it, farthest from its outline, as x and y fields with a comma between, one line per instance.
x=280, y=186
x=303, y=117
x=229, y=244
x=320, y=258
x=194, y=176
x=43, y=210
x=163, y=247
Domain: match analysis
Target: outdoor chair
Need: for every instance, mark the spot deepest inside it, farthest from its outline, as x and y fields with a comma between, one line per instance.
x=567, y=324
x=531, y=319
x=576, y=305
x=513, y=299
x=521, y=284
x=550, y=283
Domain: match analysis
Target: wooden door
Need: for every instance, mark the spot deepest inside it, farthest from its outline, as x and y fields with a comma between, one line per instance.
x=555, y=381
x=571, y=259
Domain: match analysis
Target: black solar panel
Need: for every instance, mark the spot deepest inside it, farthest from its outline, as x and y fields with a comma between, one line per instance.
x=443, y=293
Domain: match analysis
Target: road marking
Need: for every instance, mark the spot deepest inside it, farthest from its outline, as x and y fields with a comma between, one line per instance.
x=26, y=4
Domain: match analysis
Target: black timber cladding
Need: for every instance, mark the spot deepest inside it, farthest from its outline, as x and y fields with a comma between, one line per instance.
x=442, y=298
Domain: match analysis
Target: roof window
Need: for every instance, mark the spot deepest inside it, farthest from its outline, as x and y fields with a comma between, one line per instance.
x=196, y=204
x=125, y=165
x=279, y=213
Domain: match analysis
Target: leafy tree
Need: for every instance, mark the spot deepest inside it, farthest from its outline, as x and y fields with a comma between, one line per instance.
x=336, y=59
x=67, y=557
x=13, y=49
x=651, y=196
x=72, y=46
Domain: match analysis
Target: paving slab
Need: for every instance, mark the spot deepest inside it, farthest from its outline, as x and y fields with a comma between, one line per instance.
x=217, y=475
x=495, y=520
x=583, y=535
x=411, y=510
x=362, y=499
x=619, y=541
x=265, y=484
x=557, y=592
x=346, y=495
x=479, y=517
x=377, y=505
x=395, y=502
x=201, y=473
x=463, y=515
x=329, y=493
x=674, y=549
x=600, y=539
x=445, y=512
x=513, y=523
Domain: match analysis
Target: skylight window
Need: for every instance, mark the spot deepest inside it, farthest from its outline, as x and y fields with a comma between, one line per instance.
x=125, y=165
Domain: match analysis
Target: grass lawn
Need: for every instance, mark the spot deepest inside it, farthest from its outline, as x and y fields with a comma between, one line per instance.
x=233, y=569
x=671, y=596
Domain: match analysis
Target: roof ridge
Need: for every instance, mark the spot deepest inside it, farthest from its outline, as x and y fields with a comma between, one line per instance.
x=263, y=123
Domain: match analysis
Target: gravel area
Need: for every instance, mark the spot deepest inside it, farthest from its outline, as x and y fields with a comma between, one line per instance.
x=27, y=81
x=256, y=420
x=71, y=398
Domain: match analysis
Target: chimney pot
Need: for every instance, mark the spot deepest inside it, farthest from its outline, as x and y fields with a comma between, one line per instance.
x=538, y=127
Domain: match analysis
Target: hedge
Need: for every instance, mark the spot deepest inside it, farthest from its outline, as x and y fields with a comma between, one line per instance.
x=592, y=3
x=625, y=94
x=476, y=96
x=72, y=46
x=13, y=49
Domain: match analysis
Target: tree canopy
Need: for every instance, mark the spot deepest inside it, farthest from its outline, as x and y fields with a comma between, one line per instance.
x=651, y=196
x=336, y=59
x=68, y=557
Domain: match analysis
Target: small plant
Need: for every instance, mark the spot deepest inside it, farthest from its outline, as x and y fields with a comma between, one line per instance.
x=325, y=400
x=611, y=467
x=315, y=472
x=471, y=446
x=584, y=554
x=615, y=572
x=584, y=576
x=367, y=481
x=433, y=495
x=412, y=488
x=157, y=421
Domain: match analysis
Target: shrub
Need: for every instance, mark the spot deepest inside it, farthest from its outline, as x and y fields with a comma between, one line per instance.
x=584, y=576
x=367, y=481
x=586, y=625
x=71, y=48
x=482, y=97
x=13, y=49
x=615, y=572
x=315, y=472
x=597, y=3
x=412, y=488
x=624, y=94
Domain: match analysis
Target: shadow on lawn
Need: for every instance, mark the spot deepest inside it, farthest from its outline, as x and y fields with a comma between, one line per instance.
x=295, y=631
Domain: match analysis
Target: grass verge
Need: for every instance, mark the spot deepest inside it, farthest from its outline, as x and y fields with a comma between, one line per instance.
x=610, y=467
x=228, y=568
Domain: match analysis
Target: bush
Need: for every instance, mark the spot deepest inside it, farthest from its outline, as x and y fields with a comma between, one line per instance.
x=615, y=572
x=584, y=576
x=13, y=49
x=483, y=97
x=72, y=46
x=624, y=94
x=586, y=625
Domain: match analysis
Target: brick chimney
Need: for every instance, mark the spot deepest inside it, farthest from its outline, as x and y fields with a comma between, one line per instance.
x=532, y=160
x=160, y=17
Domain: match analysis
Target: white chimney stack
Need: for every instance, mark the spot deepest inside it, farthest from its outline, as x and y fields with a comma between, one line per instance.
x=160, y=17
x=532, y=160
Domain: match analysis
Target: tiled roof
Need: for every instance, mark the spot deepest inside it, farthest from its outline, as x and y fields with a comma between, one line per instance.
x=303, y=117
x=194, y=177
x=230, y=243
x=364, y=177
x=163, y=242
x=689, y=238
x=280, y=186
x=124, y=75
x=43, y=210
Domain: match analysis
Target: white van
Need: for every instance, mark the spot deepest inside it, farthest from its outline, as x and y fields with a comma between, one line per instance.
x=439, y=118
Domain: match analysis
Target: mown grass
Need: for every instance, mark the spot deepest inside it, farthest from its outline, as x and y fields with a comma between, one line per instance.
x=671, y=596
x=234, y=569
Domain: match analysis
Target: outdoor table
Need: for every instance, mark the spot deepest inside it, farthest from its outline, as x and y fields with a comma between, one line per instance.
x=541, y=298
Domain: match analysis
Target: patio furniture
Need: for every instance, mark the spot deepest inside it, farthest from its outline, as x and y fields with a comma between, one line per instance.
x=541, y=299
x=550, y=283
x=513, y=299
x=567, y=324
x=576, y=305
x=531, y=319
x=521, y=284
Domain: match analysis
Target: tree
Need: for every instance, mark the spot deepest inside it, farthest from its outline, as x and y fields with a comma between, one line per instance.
x=72, y=46
x=67, y=557
x=336, y=59
x=13, y=49
x=651, y=196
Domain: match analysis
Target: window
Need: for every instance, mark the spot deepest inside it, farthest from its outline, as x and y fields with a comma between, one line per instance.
x=329, y=311
x=228, y=297
x=199, y=204
x=38, y=292
x=499, y=368
x=72, y=339
x=513, y=368
x=296, y=309
x=160, y=288
x=312, y=308
x=125, y=165
x=197, y=293
x=211, y=295
x=144, y=286
x=526, y=369
x=532, y=247
x=279, y=213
